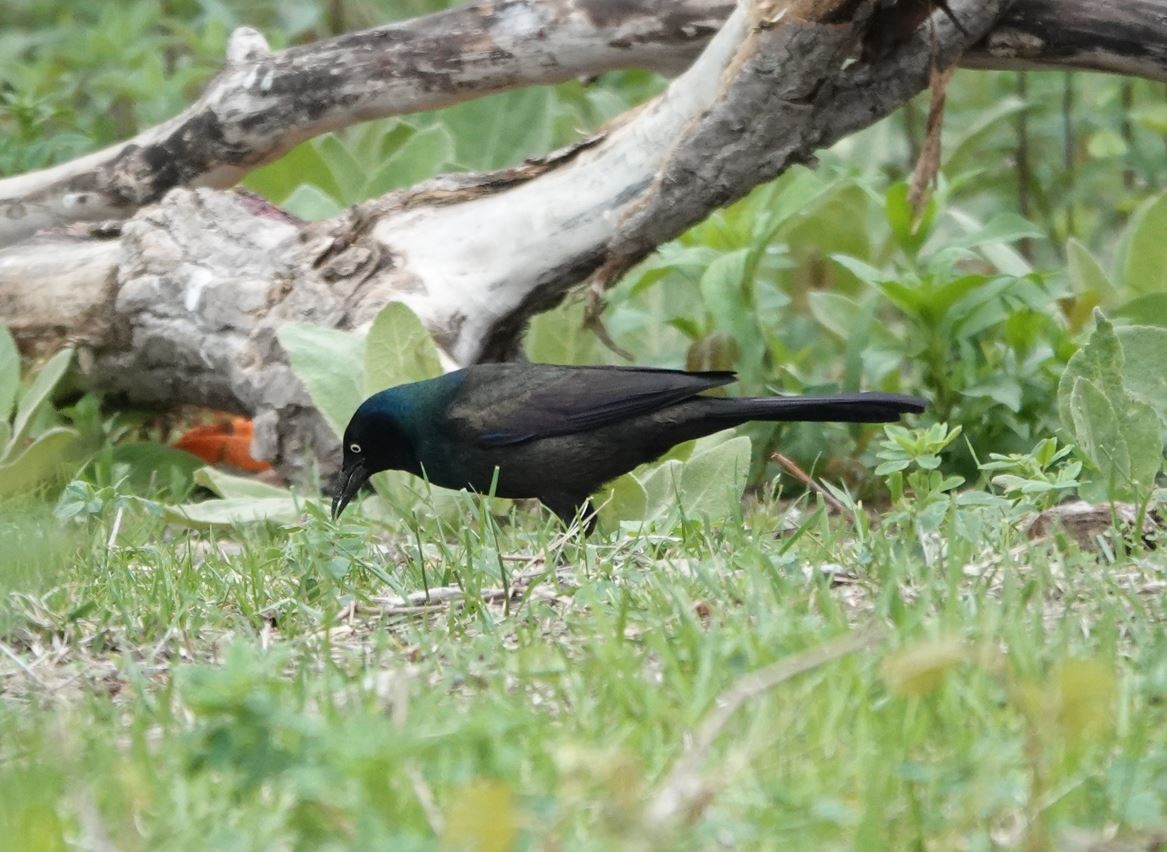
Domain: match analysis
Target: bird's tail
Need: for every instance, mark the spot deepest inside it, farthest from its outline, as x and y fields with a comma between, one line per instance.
x=838, y=408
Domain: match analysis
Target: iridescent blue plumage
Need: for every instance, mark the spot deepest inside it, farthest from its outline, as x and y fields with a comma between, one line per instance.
x=558, y=433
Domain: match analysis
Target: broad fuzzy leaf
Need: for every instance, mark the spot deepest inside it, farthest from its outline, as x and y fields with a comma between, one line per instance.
x=1121, y=361
x=625, y=499
x=1086, y=274
x=237, y=510
x=1144, y=371
x=1144, y=265
x=329, y=363
x=44, y=460
x=421, y=156
x=398, y=350
x=38, y=393
x=241, y=487
x=1123, y=442
x=712, y=481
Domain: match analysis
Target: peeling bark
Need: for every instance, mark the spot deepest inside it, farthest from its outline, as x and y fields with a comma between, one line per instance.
x=183, y=306
x=1128, y=37
x=261, y=104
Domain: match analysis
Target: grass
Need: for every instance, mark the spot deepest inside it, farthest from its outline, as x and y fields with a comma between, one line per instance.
x=267, y=688
x=926, y=678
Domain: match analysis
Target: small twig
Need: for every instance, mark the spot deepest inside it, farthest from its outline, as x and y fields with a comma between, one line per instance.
x=117, y=526
x=803, y=477
x=596, y=326
x=928, y=164
x=682, y=787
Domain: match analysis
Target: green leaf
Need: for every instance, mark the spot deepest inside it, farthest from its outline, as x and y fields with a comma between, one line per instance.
x=1103, y=144
x=1124, y=445
x=422, y=156
x=559, y=337
x=9, y=375
x=724, y=290
x=993, y=239
x=1100, y=360
x=304, y=164
x=661, y=486
x=149, y=462
x=799, y=193
x=863, y=271
x=311, y=203
x=1152, y=116
x=909, y=232
x=624, y=500
x=920, y=669
x=501, y=130
x=1146, y=310
x=712, y=481
x=835, y=312
x=46, y=459
x=398, y=350
x=38, y=393
x=237, y=510
x=1144, y=368
x=1125, y=362
x=242, y=487
x=966, y=145
x=1144, y=264
x=1001, y=388
x=329, y=363
x=1086, y=275
x=347, y=173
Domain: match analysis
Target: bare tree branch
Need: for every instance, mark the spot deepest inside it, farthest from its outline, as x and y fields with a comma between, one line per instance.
x=1128, y=37
x=261, y=104
x=186, y=307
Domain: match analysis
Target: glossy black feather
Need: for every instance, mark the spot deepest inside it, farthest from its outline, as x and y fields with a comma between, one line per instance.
x=516, y=403
x=559, y=433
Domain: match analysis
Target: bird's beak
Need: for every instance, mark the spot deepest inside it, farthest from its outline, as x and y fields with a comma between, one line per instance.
x=351, y=481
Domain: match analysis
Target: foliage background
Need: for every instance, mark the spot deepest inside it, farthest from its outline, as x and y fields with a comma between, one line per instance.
x=219, y=685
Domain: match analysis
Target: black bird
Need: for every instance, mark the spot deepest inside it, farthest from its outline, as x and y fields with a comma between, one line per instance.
x=559, y=433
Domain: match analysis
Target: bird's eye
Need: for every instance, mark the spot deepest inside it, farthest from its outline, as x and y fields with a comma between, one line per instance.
x=355, y=448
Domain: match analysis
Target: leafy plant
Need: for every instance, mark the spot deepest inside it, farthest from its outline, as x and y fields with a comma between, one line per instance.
x=35, y=450
x=1111, y=400
x=1136, y=289
x=81, y=500
x=338, y=370
x=702, y=480
x=910, y=459
x=1042, y=475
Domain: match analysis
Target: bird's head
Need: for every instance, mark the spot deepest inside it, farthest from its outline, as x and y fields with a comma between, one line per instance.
x=373, y=441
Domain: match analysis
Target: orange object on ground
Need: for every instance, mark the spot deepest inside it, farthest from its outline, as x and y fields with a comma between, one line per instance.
x=225, y=442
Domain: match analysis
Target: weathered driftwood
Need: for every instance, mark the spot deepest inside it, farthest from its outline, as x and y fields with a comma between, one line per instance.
x=181, y=302
x=261, y=104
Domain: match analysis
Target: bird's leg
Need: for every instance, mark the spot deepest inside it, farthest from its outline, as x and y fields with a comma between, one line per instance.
x=589, y=516
x=568, y=508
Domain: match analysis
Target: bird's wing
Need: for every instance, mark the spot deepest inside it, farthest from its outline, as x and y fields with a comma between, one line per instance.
x=521, y=402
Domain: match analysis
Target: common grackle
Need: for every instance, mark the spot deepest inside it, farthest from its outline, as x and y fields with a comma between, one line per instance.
x=559, y=433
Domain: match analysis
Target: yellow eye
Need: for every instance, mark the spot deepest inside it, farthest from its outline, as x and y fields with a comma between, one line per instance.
x=354, y=448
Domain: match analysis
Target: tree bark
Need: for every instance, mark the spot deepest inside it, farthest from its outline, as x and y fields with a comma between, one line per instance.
x=180, y=304
x=261, y=104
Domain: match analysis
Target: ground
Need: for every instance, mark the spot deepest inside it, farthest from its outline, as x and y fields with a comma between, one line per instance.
x=794, y=678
